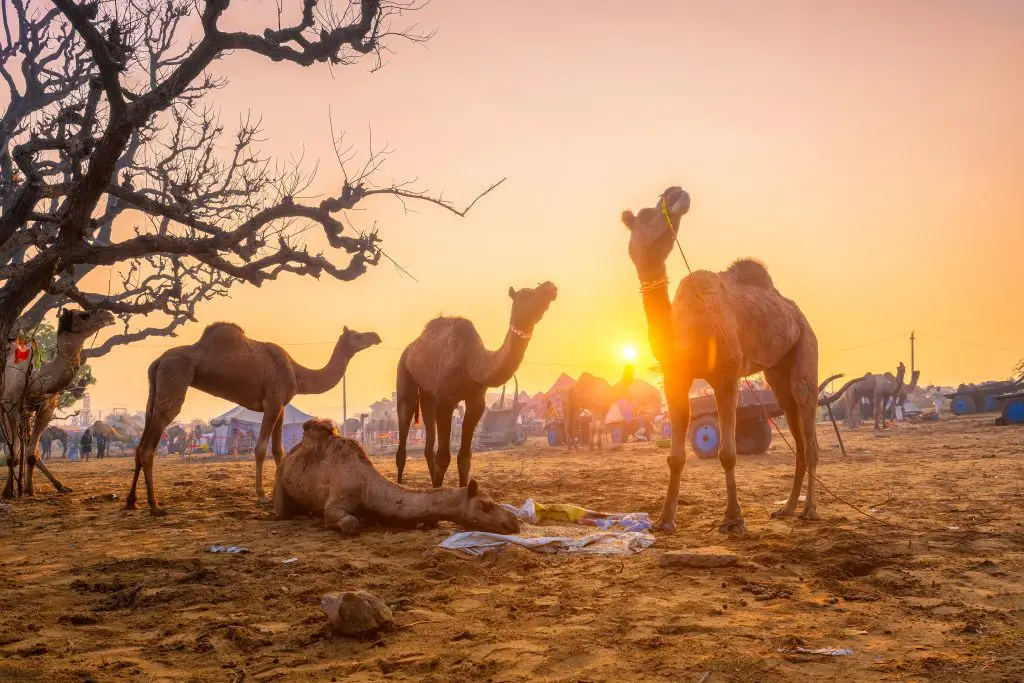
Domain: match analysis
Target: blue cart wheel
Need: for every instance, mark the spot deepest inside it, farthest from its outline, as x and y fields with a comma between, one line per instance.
x=962, y=405
x=705, y=436
x=552, y=437
x=990, y=403
x=1013, y=411
x=617, y=435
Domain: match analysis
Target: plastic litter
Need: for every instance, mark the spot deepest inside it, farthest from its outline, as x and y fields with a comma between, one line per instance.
x=533, y=512
x=604, y=543
x=290, y=560
x=828, y=651
x=233, y=549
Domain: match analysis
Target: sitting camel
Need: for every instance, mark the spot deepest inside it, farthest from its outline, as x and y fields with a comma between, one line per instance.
x=448, y=363
x=256, y=375
x=596, y=395
x=721, y=327
x=331, y=476
x=30, y=395
x=880, y=389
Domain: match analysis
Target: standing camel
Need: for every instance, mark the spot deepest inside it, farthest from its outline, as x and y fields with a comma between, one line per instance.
x=48, y=437
x=448, y=363
x=721, y=327
x=879, y=389
x=30, y=394
x=596, y=395
x=259, y=376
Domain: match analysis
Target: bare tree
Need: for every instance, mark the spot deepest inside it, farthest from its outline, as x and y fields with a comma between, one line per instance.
x=110, y=120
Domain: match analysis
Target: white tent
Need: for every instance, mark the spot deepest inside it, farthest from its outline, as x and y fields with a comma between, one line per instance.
x=237, y=430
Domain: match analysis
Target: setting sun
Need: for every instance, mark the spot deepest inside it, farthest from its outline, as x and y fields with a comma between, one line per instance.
x=629, y=353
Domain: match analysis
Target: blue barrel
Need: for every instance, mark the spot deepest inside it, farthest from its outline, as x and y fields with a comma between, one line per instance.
x=962, y=405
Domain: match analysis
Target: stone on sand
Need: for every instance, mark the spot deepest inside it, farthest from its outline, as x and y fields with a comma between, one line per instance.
x=356, y=613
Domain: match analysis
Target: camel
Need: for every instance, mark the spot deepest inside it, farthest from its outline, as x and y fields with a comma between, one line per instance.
x=256, y=375
x=880, y=389
x=46, y=440
x=331, y=476
x=448, y=363
x=31, y=394
x=722, y=327
x=596, y=395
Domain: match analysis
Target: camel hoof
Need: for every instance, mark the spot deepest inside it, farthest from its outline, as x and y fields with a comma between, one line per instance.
x=734, y=527
x=665, y=527
x=64, y=489
x=263, y=502
x=783, y=512
x=157, y=512
x=809, y=515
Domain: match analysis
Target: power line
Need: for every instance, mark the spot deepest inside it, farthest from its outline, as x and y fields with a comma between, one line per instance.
x=968, y=343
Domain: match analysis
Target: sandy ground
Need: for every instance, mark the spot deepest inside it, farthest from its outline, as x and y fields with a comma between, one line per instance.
x=91, y=592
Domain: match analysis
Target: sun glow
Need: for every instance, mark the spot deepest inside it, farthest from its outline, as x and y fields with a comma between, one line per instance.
x=629, y=353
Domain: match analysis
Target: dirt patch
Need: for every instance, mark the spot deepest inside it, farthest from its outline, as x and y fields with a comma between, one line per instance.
x=95, y=593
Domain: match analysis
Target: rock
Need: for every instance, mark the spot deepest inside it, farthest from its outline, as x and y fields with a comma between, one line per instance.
x=356, y=613
x=697, y=560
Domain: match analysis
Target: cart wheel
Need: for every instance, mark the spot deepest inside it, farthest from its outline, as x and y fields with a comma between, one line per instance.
x=753, y=437
x=705, y=435
x=617, y=435
x=990, y=404
x=1013, y=411
x=962, y=405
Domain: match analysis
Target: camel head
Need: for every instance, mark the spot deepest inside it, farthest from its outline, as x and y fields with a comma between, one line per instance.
x=479, y=512
x=357, y=341
x=530, y=305
x=653, y=232
x=82, y=324
x=622, y=387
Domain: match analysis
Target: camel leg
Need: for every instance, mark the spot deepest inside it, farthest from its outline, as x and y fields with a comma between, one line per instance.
x=427, y=408
x=335, y=515
x=43, y=417
x=726, y=398
x=271, y=416
x=782, y=386
x=408, y=402
x=678, y=394
x=168, y=382
x=475, y=406
x=443, y=413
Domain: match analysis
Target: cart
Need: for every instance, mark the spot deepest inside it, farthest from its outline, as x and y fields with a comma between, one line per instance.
x=499, y=426
x=1012, y=412
x=982, y=398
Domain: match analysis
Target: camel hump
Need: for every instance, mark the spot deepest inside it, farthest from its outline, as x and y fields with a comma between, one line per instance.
x=751, y=272
x=222, y=327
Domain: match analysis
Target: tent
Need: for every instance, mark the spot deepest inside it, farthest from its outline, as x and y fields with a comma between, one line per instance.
x=237, y=430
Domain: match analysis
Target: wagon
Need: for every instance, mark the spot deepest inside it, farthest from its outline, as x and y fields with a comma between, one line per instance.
x=500, y=427
x=1012, y=412
x=986, y=397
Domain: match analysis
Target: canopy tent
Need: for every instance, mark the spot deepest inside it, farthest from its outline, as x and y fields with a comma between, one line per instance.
x=238, y=429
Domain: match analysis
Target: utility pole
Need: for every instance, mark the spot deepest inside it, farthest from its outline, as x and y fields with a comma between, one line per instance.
x=911, y=352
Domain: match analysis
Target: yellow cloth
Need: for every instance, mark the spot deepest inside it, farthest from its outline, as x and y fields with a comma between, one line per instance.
x=560, y=512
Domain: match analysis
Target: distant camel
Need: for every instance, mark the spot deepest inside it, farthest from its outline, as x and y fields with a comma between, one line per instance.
x=596, y=395
x=50, y=435
x=256, y=375
x=722, y=327
x=448, y=363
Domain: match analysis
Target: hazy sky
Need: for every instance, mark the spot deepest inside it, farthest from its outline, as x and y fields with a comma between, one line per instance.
x=870, y=152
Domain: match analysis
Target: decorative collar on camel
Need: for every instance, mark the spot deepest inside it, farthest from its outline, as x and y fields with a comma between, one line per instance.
x=519, y=333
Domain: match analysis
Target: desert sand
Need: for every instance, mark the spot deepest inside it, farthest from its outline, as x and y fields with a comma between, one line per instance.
x=932, y=591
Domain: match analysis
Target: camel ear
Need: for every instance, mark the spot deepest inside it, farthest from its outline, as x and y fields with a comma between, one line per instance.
x=473, y=488
x=344, y=329
x=628, y=219
x=511, y=293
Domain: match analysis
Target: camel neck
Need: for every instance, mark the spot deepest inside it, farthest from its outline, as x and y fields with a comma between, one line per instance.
x=658, y=308
x=326, y=378
x=396, y=502
x=494, y=368
x=68, y=356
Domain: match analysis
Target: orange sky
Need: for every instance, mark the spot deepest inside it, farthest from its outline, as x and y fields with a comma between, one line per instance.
x=870, y=152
